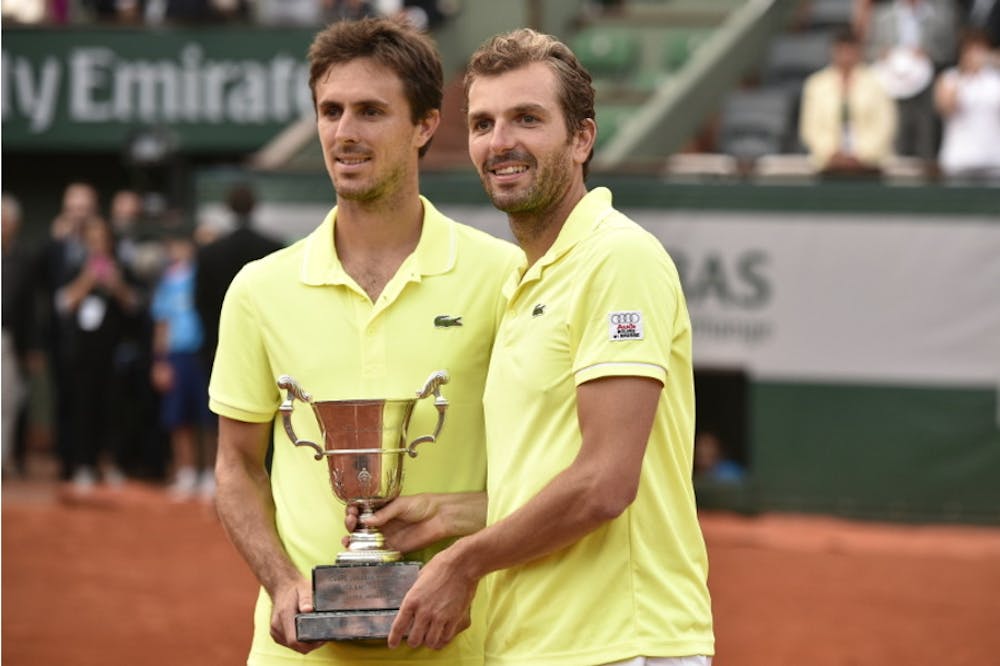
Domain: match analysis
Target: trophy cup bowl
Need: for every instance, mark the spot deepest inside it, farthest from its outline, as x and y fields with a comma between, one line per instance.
x=364, y=444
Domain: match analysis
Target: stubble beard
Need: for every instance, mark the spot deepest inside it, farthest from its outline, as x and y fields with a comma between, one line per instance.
x=372, y=189
x=552, y=178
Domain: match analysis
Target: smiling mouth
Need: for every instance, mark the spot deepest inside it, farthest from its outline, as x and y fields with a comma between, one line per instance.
x=352, y=161
x=509, y=170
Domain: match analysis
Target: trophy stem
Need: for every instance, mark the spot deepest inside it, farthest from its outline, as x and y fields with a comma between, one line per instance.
x=367, y=545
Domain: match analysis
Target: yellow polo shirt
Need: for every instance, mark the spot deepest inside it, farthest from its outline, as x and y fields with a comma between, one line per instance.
x=297, y=312
x=605, y=300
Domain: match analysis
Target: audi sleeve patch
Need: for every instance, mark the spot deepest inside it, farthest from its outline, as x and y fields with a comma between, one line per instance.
x=625, y=326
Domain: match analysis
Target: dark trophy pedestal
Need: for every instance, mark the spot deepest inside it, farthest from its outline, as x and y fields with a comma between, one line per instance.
x=355, y=601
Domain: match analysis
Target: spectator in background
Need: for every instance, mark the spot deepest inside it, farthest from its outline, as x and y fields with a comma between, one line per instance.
x=178, y=373
x=95, y=306
x=194, y=12
x=143, y=257
x=60, y=260
x=24, y=11
x=968, y=99
x=711, y=462
x=423, y=15
x=220, y=261
x=127, y=12
x=908, y=41
x=288, y=12
x=861, y=17
x=18, y=317
x=79, y=203
x=984, y=16
x=347, y=10
x=51, y=12
x=847, y=121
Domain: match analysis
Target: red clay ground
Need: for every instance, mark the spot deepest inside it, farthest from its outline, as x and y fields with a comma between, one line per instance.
x=131, y=578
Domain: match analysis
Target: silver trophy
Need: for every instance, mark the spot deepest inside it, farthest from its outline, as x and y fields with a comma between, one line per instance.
x=364, y=444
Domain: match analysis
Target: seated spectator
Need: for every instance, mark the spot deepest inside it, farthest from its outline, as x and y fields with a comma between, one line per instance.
x=711, y=462
x=847, y=121
x=968, y=99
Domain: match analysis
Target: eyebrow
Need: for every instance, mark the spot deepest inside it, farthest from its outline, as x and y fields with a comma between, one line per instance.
x=323, y=103
x=529, y=107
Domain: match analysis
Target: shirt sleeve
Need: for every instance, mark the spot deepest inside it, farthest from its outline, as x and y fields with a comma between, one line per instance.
x=625, y=309
x=242, y=386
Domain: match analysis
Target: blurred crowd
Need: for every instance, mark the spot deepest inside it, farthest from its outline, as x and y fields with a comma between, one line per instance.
x=912, y=78
x=424, y=14
x=109, y=327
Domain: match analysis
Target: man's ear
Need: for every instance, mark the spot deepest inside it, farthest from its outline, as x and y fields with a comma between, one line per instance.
x=584, y=139
x=426, y=127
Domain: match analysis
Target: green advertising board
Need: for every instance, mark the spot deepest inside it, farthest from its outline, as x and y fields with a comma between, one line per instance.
x=212, y=89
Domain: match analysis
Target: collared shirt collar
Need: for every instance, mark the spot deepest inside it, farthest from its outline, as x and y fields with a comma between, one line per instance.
x=584, y=218
x=435, y=252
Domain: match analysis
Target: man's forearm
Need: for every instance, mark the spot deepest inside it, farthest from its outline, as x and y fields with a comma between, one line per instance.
x=563, y=512
x=246, y=509
x=437, y=606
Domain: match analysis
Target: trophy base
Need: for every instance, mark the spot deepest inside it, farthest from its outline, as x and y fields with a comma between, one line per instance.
x=370, y=625
x=355, y=602
x=362, y=587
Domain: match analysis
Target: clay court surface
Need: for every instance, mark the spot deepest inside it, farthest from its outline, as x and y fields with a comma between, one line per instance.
x=129, y=577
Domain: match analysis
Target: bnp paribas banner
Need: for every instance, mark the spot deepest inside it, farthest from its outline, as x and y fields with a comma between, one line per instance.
x=210, y=89
x=841, y=298
x=833, y=297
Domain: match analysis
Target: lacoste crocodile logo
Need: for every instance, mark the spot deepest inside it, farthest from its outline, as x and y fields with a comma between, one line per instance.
x=447, y=321
x=538, y=310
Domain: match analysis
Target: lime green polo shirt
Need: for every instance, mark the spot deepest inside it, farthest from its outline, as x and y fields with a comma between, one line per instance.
x=297, y=312
x=605, y=300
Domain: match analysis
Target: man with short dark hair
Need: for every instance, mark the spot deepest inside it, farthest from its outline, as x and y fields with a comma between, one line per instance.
x=353, y=311
x=592, y=542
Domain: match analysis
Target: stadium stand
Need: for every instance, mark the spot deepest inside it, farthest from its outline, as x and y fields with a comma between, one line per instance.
x=755, y=123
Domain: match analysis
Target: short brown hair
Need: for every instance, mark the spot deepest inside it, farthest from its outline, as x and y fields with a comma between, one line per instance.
x=516, y=49
x=393, y=45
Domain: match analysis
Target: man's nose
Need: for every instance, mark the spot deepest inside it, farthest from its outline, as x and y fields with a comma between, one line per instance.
x=501, y=138
x=347, y=127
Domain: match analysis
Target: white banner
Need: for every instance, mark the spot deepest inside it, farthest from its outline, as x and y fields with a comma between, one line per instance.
x=840, y=297
x=818, y=297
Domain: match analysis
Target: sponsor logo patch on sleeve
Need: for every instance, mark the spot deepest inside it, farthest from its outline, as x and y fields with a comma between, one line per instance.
x=625, y=326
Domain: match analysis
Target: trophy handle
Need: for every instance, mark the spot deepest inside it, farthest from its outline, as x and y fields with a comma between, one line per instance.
x=432, y=385
x=294, y=391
